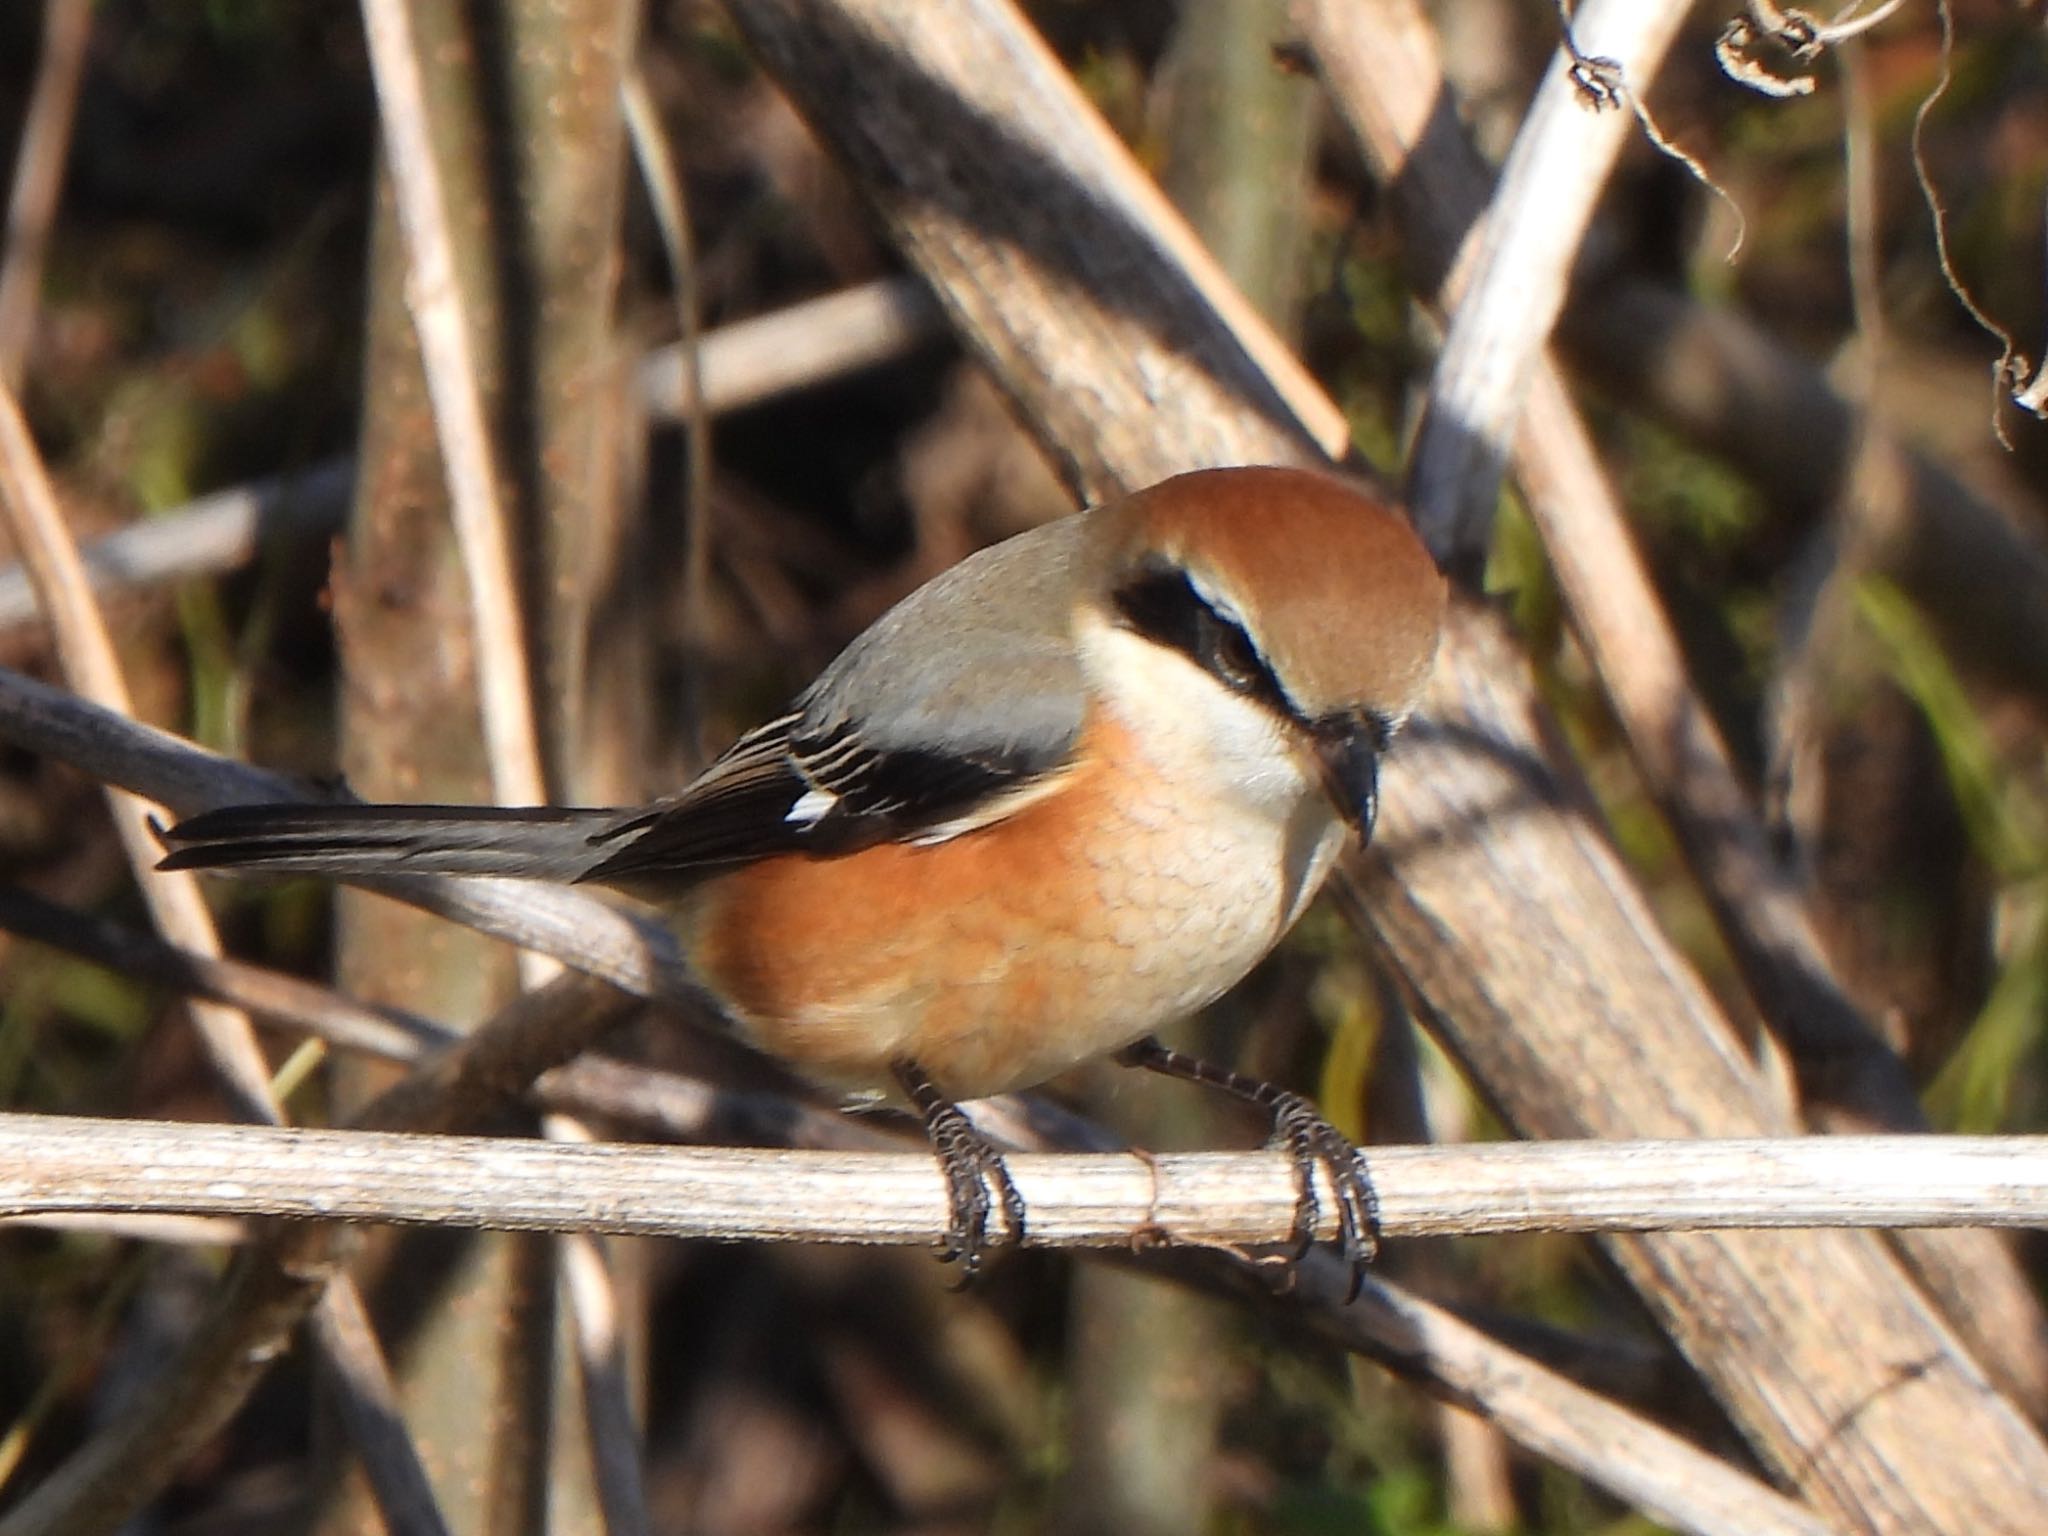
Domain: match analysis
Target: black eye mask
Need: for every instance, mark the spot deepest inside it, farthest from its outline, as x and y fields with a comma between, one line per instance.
x=1163, y=605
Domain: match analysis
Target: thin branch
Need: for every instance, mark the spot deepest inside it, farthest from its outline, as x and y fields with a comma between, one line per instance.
x=188, y=1231
x=1673, y=1480
x=583, y=1270
x=1222, y=1199
x=663, y=182
x=820, y=339
x=90, y=666
x=632, y=951
x=366, y=1398
x=39, y=176
x=214, y=533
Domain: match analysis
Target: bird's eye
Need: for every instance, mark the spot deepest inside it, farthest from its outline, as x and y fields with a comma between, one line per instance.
x=1233, y=657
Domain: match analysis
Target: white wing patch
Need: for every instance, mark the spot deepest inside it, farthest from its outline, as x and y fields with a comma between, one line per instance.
x=811, y=807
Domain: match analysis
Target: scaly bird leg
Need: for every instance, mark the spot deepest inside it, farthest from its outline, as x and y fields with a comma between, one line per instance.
x=972, y=1165
x=1310, y=1140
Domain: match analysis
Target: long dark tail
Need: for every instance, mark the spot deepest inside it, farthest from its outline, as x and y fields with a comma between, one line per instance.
x=537, y=843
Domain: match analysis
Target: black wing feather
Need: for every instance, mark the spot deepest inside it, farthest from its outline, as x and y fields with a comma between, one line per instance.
x=967, y=690
x=741, y=809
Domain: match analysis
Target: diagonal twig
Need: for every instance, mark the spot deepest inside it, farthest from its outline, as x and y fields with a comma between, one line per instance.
x=180, y=912
x=1556, y=169
x=39, y=175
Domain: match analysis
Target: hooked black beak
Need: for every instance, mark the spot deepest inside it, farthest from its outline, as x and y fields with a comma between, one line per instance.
x=1349, y=748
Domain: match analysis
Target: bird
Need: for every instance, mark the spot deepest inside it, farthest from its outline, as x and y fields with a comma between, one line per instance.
x=1064, y=794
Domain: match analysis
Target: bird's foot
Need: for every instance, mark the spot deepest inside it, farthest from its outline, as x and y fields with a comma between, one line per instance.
x=1311, y=1142
x=973, y=1166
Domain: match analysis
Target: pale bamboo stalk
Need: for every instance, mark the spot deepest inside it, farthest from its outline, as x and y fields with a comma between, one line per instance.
x=192, y=1231
x=1647, y=1465
x=749, y=361
x=212, y=533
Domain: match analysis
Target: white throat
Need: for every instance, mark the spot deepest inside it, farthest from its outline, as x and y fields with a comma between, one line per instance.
x=1194, y=728
x=1228, y=763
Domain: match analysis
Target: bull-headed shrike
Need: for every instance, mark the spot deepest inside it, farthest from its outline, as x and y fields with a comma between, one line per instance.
x=1060, y=796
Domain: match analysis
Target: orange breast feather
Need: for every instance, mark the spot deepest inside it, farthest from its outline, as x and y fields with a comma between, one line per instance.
x=994, y=959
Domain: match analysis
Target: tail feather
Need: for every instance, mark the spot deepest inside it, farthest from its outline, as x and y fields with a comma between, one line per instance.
x=535, y=843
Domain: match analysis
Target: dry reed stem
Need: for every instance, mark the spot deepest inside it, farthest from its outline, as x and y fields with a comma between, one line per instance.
x=1561, y=156
x=1381, y=64
x=39, y=176
x=504, y=688
x=1101, y=1200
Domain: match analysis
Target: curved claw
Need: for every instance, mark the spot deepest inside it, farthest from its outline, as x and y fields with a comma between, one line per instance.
x=973, y=1166
x=1312, y=1142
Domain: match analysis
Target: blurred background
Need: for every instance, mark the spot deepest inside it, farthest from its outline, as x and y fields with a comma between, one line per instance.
x=211, y=301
